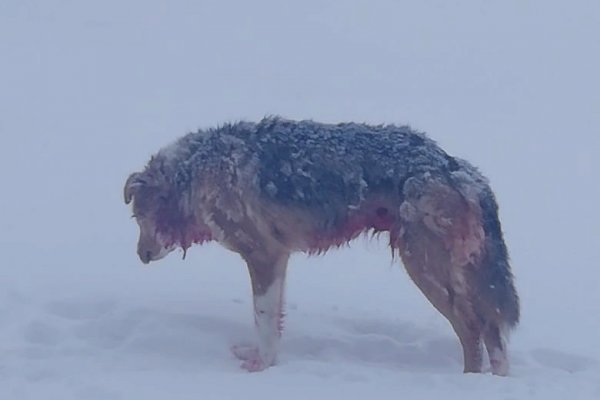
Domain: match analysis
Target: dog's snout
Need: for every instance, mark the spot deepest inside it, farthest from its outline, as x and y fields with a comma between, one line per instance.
x=145, y=256
x=152, y=250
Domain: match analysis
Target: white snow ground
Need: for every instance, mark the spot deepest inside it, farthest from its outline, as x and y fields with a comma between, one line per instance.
x=88, y=90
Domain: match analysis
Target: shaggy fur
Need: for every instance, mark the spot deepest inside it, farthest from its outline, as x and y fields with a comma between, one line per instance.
x=267, y=189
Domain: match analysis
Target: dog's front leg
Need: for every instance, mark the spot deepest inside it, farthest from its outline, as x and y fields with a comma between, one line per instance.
x=268, y=281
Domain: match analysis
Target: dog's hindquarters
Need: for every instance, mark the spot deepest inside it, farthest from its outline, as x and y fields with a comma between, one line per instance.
x=497, y=299
x=452, y=247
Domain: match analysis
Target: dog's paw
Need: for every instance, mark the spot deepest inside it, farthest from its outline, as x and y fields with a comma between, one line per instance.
x=245, y=352
x=254, y=365
x=250, y=357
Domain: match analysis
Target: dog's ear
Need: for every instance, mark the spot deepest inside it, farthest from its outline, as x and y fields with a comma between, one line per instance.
x=131, y=185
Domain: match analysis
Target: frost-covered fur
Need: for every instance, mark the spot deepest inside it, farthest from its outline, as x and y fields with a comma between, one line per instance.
x=267, y=189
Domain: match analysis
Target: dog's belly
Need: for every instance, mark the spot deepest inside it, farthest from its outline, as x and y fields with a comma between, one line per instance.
x=374, y=215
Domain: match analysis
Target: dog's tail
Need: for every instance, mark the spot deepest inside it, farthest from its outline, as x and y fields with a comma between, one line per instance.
x=498, y=302
x=500, y=299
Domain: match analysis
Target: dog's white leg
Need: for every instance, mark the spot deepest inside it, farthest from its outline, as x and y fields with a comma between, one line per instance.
x=267, y=314
x=268, y=281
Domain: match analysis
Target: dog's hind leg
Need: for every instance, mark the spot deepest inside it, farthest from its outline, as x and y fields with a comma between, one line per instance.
x=440, y=241
x=468, y=328
x=267, y=274
x=426, y=261
x=496, y=348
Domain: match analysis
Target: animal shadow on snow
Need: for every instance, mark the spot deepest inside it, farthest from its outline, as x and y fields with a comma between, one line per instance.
x=195, y=339
x=394, y=344
x=143, y=332
x=191, y=338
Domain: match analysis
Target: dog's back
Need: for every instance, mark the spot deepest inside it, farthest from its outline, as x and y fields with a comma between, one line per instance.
x=312, y=164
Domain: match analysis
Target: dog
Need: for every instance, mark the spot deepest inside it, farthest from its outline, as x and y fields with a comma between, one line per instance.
x=270, y=188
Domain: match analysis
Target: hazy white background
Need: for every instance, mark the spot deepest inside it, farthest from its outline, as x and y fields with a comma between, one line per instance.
x=88, y=90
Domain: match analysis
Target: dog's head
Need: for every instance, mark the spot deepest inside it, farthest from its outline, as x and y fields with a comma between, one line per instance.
x=152, y=201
